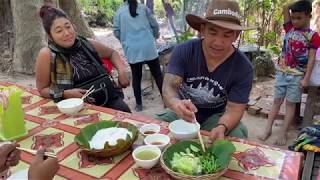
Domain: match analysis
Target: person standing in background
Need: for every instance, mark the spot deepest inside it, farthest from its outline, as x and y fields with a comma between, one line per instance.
x=136, y=28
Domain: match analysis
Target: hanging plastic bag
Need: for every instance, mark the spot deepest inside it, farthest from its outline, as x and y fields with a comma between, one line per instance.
x=12, y=125
x=315, y=75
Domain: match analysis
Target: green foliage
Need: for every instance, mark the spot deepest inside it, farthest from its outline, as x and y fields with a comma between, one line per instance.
x=159, y=10
x=107, y=7
x=267, y=16
x=263, y=65
x=270, y=36
x=276, y=50
x=185, y=36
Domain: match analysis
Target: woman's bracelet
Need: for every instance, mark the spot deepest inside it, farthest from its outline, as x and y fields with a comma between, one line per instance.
x=226, y=132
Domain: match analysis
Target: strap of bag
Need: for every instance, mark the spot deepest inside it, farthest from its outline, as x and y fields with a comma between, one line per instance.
x=101, y=71
x=100, y=68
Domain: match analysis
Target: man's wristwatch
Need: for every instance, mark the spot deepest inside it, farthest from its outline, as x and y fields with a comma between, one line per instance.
x=226, y=132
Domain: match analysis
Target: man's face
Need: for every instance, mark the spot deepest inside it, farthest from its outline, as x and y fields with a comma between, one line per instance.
x=300, y=20
x=217, y=40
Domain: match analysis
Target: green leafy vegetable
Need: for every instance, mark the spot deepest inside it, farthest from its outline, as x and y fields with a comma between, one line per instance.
x=188, y=158
x=222, y=149
x=194, y=149
x=209, y=163
x=186, y=164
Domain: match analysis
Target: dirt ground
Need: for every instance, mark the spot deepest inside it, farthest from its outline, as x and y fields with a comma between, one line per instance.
x=152, y=102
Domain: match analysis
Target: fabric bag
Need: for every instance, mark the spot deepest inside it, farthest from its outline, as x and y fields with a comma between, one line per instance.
x=104, y=85
x=12, y=125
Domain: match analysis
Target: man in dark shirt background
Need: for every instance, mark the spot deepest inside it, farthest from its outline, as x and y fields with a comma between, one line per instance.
x=208, y=79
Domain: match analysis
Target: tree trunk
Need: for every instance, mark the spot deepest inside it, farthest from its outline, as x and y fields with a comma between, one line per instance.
x=72, y=8
x=29, y=35
x=6, y=36
x=150, y=5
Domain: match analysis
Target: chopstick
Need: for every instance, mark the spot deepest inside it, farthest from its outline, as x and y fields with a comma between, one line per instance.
x=88, y=92
x=49, y=154
x=200, y=136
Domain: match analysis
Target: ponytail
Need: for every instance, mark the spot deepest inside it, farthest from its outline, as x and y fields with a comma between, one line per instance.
x=133, y=5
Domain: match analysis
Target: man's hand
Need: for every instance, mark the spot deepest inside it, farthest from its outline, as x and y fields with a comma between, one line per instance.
x=9, y=156
x=218, y=133
x=43, y=168
x=185, y=109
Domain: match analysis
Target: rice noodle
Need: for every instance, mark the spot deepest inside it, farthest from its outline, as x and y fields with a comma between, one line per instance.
x=110, y=135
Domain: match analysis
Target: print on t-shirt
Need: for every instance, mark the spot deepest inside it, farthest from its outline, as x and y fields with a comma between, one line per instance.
x=296, y=45
x=204, y=92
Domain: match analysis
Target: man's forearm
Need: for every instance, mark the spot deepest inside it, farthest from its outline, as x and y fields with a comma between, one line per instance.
x=170, y=87
x=233, y=115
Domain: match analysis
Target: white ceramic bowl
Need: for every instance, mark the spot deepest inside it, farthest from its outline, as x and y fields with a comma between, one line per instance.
x=181, y=129
x=159, y=140
x=146, y=164
x=149, y=129
x=70, y=106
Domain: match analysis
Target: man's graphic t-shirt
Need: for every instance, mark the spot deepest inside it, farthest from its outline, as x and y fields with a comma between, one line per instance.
x=210, y=91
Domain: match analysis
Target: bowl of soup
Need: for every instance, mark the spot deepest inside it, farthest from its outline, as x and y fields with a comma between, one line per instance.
x=146, y=156
x=149, y=129
x=159, y=140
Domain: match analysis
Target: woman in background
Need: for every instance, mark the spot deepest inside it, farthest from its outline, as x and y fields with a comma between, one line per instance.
x=137, y=29
x=68, y=61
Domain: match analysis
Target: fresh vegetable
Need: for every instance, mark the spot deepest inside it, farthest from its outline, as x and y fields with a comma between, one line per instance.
x=188, y=158
x=186, y=163
x=209, y=163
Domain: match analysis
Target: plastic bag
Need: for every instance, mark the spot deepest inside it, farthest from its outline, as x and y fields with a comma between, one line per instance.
x=12, y=125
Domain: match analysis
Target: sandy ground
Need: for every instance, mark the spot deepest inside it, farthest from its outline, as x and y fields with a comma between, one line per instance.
x=152, y=101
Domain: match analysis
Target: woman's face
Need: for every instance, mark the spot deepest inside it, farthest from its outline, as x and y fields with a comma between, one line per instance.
x=62, y=32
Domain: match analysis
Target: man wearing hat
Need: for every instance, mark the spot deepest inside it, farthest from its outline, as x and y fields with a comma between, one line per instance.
x=208, y=79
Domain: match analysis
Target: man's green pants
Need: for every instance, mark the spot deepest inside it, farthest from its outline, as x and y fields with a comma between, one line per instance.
x=239, y=131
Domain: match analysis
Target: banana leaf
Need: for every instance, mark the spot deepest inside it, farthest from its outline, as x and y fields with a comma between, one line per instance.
x=86, y=134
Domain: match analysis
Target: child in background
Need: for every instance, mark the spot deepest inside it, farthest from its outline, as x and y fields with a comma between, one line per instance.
x=295, y=67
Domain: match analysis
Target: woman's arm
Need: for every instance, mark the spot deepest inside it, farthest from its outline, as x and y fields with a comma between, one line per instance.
x=153, y=23
x=116, y=26
x=117, y=62
x=43, y=72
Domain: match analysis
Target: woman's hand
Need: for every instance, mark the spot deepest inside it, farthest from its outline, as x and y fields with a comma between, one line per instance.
x=74, y=93
x=123, y=79
x=42, y=167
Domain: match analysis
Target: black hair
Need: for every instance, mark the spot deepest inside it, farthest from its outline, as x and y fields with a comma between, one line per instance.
x=133, y=5
x=302, y=6
x=48, y=14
